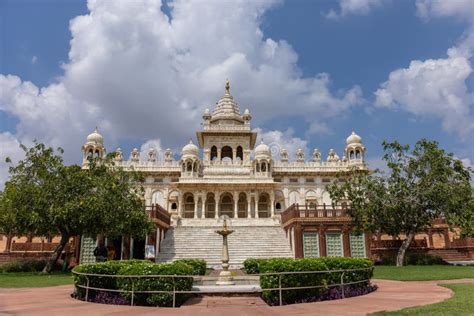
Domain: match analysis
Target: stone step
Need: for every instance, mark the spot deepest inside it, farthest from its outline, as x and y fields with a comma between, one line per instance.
x=201, y=242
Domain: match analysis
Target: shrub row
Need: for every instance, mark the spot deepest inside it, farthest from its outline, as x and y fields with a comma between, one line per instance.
x=418, y=259
x=325, y=280
x=138, y=267
x=23, y=266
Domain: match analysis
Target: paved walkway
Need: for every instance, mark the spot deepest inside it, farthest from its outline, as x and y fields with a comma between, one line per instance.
x=391, y=295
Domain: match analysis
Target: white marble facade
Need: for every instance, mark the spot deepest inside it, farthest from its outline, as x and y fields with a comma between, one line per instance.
x=233, y=176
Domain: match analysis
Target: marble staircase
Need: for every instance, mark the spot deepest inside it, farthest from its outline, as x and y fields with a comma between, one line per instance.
x=252, y=238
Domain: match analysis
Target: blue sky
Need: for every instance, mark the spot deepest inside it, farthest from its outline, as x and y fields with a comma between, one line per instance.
x=198, y=47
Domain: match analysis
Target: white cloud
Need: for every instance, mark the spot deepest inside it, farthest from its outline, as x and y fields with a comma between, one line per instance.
x=151, y=144
x=463, y=9
x=139, y=75
x=435, y=87
x=10, y=147
x=355, y=7
x=277, y=140
x=34, y=59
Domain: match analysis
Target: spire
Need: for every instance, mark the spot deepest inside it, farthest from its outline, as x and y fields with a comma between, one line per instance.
x=227, y=86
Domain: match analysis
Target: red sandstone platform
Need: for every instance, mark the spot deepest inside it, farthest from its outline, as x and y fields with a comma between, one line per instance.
x=391, y=295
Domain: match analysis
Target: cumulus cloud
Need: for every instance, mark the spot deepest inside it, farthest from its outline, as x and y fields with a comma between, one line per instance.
x=354, y=7
x=277, y=140
x=10, y=147
x=138, y=73
x=437, y=87
x=463, y=9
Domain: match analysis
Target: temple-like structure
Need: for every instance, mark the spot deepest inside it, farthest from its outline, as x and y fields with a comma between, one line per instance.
x=243, y=180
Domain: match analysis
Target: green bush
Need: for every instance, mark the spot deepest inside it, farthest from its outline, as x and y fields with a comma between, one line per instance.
x=307, y=279
x=198, y=265
x=138, y=267
x=423, y=259
x=24, y=266
x=251, y=265
x=157, y=284
x=107, y=268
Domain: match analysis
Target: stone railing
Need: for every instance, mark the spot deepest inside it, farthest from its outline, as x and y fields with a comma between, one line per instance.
x=313, y=211
x=227, y=128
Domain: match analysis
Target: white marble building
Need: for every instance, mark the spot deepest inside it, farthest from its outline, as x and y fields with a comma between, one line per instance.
x=233, y=176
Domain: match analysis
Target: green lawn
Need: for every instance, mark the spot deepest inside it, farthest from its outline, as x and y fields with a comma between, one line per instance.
x=32, y=279
x=461, y=304
x=423, y=273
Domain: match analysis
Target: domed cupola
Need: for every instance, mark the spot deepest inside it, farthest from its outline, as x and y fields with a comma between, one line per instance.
x=262, y=161
x=190, y=163
x=355, y=150
x=190, y=151
x=262, y=151
x=95, y=138
x=94, y=147
x=353, y=139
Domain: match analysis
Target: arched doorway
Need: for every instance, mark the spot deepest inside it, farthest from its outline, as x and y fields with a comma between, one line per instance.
x=242, y=206
x=264, y=205
x=210, y=206
x=226, y=206
x=188, y=206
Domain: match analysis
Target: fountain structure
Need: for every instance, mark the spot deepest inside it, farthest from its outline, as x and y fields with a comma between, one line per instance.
x=225, y=276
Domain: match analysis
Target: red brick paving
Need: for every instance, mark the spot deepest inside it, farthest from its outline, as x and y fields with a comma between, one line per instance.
x=391, y=295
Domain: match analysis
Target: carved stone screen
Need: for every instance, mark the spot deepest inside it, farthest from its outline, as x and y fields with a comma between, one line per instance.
x=311, y=245
x=334, y=245
x=357, y=243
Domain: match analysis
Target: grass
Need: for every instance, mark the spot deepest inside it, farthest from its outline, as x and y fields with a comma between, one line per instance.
x=460, y=304
x=423, y=273
x=33, y=279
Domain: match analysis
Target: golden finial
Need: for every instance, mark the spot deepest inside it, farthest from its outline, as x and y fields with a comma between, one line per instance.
x=227, y=86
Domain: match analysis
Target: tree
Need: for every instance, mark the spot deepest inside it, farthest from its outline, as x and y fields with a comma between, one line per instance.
x=69, y=201
x=422, y=185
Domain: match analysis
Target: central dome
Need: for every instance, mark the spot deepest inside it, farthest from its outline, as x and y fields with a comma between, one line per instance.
x=227, y=108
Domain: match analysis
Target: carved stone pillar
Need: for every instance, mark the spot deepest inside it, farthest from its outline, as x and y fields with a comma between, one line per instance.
x=180, y=205
x=272, y=204
x=236, y=202
x=234, y=154
x=203, y=211
x=249, y=205
x=256, y=205
x=217, y=196
x=196, y=201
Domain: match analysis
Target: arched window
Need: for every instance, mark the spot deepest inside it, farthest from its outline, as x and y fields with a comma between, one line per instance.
x=351, y=155
x=264, y=167
x=278, y=206
x=240, y=153
x=90, y=153
x=97, y=153
x=226, y=152
x=189, y=166
x=357, y=154
x=213, y=153
x=174, y=206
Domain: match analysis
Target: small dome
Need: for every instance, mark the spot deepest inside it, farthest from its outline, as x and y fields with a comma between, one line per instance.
x=190, y=150
x=262, y=151
x=354, y=139
x=95, y=137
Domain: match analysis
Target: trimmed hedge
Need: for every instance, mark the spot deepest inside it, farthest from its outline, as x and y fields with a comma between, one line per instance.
x=417, y=259
x=198, y=265
x=137, y=267
x=325, y=280
x=23, y=266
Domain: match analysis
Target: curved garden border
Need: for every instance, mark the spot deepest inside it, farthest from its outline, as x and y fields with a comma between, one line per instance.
x=135, y=279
